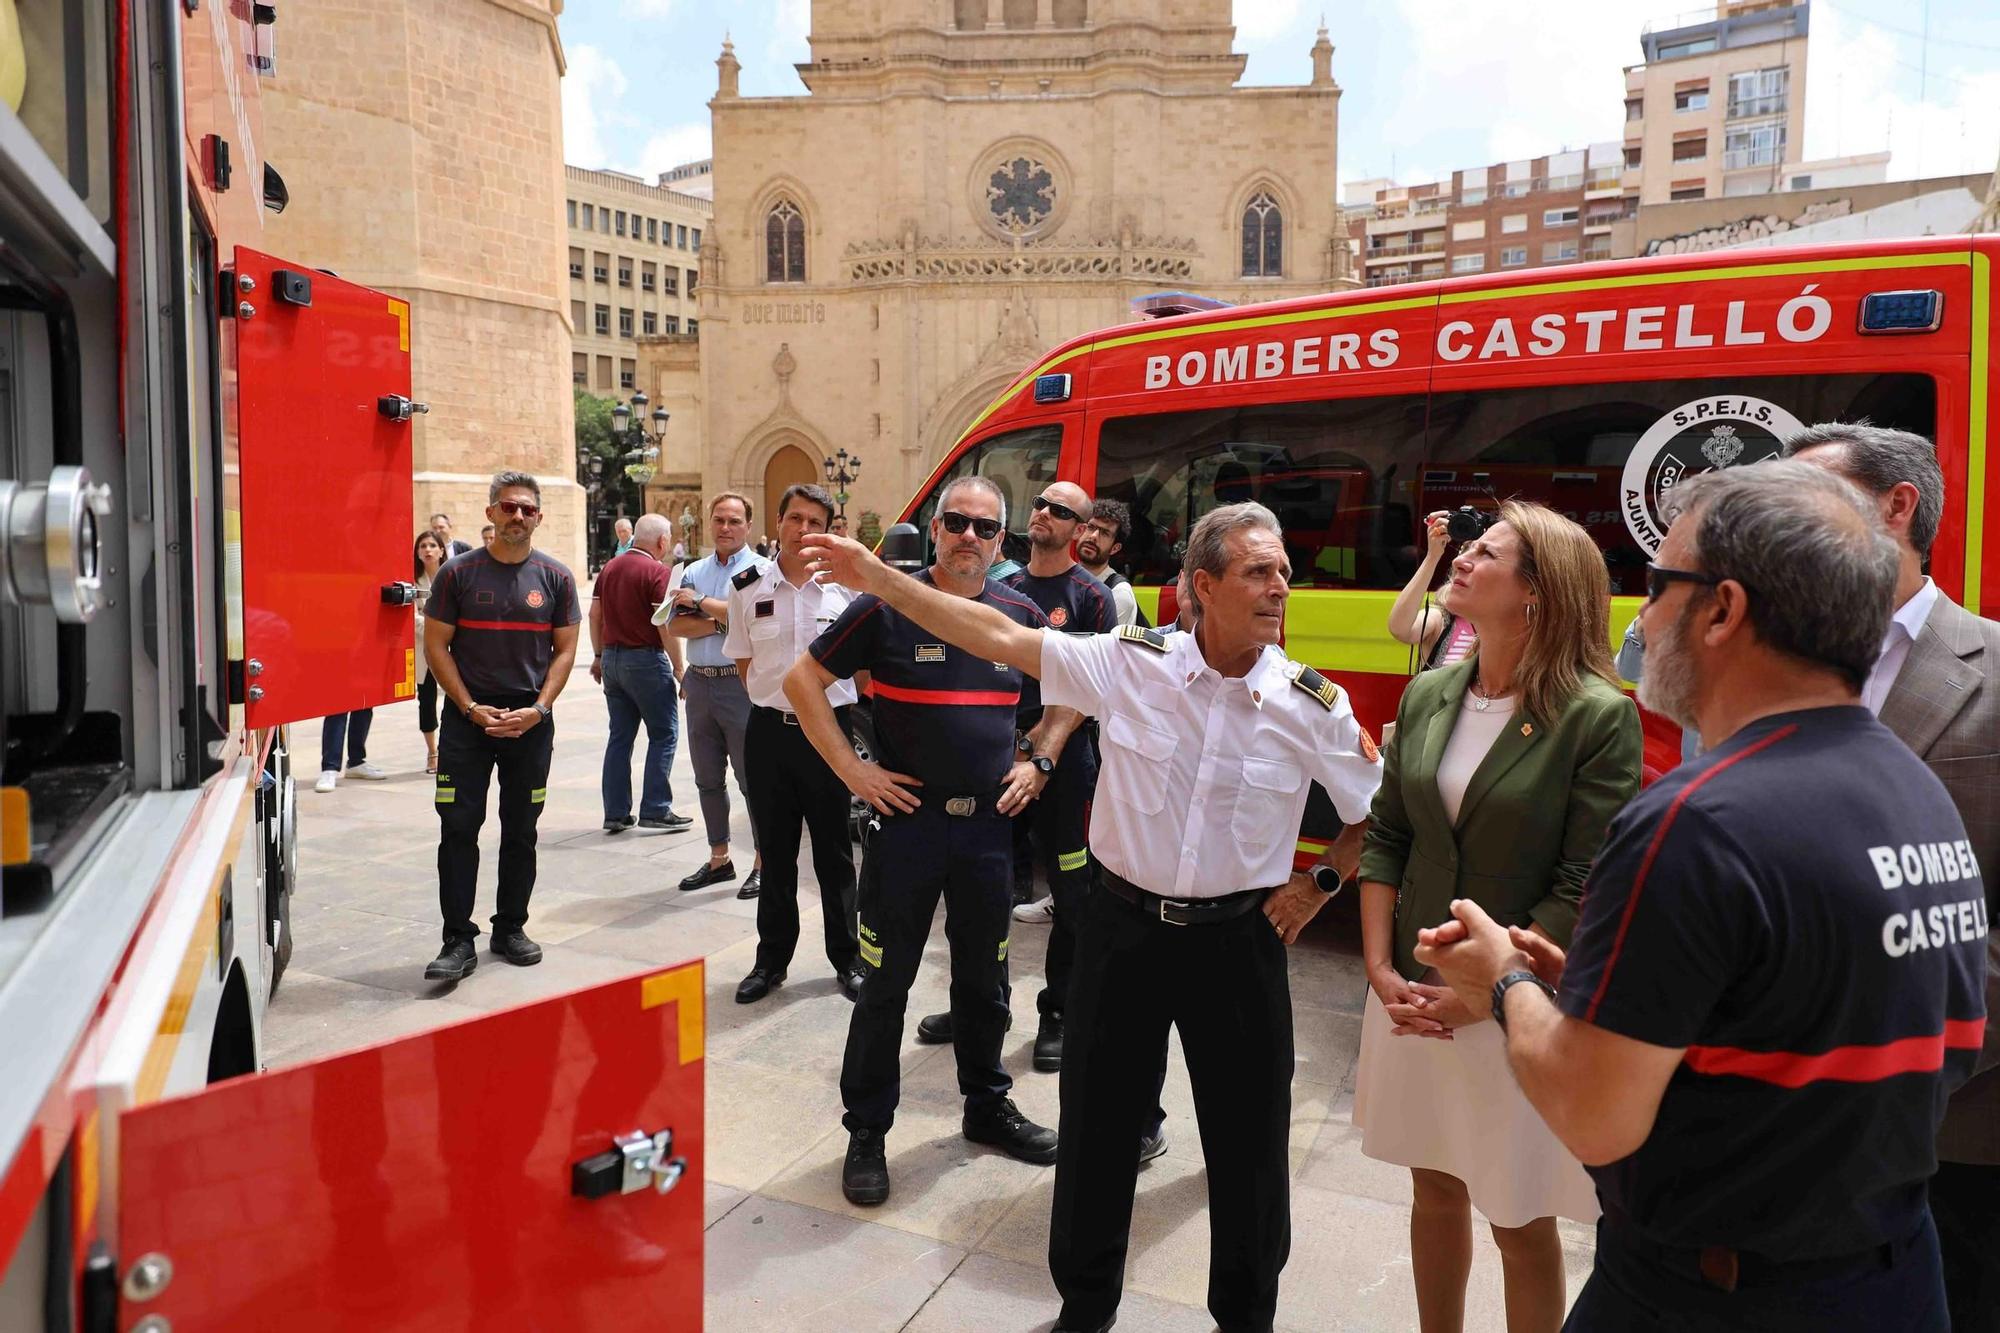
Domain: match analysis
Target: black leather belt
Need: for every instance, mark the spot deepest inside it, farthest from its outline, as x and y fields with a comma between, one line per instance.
x=1728, y=1270
x=789, y=719
x=1182, y=912
x=712, y=672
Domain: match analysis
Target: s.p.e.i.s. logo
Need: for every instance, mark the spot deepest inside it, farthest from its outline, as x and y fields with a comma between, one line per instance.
x=1724, y=430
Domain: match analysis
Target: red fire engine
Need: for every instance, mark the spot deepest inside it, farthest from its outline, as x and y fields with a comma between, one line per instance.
x=1593, y=390
x=205, y=526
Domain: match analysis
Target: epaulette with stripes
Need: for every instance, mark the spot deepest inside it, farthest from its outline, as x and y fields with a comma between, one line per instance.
x=1318, y=686
x=747, y=577
x=1137, y=634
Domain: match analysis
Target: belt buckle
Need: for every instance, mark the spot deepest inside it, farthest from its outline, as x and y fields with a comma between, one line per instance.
x=961, y=805
x=791, y=719
x=1164, y=905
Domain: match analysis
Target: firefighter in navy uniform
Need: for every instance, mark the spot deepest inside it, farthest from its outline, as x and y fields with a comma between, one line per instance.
x=500, y=634
x=1075, y=603
x=1215, y=734
x=947, y=784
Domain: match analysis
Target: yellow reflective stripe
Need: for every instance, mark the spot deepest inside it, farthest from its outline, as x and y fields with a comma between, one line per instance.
x=1805, y=267
x=871, y=954
x=1003, y=951
x=538, y=795
x=1975, y=434
x=445, y=795
x=1313, y=848
x=1076, y=860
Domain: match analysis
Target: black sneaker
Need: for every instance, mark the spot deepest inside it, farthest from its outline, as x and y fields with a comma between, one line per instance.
x=864, y=1176
x=1004, y=1127
x=454, y=962
x=1152, y=1145
x=668, y=823
x=1048, y=1044
x=620, y=825
x=516, y=948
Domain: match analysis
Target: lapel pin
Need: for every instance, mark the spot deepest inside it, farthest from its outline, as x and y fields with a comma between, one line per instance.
x=1527, y=730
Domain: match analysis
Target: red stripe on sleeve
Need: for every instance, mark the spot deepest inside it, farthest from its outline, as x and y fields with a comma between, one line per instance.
x=1842, y=1064
x=904, y=694
x=1653, y=851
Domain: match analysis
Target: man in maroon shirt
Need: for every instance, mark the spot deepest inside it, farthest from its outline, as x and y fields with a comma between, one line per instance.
x=639, y=682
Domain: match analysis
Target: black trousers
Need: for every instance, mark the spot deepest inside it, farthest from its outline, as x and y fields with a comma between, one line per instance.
x=908, y=866
x=790, y=786
x=467, y=759
x=1965, y=1200
x=1225, y=987
x=427, y=705
x=1632, y=1291
x=1061, y=816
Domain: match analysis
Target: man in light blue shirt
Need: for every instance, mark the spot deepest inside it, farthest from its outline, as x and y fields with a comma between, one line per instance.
x=718, y=705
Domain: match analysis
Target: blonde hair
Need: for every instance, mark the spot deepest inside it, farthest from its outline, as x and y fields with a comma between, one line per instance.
x=1569, y=623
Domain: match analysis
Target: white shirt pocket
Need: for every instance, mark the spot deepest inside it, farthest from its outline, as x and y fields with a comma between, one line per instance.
x=1132, y=754
x=1266, y=795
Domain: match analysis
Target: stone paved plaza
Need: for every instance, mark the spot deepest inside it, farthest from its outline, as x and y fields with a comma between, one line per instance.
x=960, y=1247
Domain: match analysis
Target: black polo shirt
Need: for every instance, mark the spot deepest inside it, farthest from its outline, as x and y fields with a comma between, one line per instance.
x=1075, y=603
x=505, y=617
x=1800, y=909
x=942, y=715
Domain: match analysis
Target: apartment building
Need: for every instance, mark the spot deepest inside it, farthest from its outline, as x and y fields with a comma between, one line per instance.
x=633, y=272
x=1717, y=108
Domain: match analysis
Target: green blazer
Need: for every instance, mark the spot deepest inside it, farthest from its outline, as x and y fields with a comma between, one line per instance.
x=1532, y=820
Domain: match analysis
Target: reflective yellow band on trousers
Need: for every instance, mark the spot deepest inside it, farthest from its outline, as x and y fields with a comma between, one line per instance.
x=1076, y=860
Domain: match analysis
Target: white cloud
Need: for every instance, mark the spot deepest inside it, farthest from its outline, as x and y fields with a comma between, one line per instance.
x=1259, y=21
x=1865, y=94
x=592, y=92
x=647, y=9
x=670, y=148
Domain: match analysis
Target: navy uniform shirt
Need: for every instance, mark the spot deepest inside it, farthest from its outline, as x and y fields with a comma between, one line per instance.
x=942, y=715
x=505, y=618
x=1075, y=603
x=1800, y=909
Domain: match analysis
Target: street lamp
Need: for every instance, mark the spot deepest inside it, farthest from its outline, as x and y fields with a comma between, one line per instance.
x=842, y=471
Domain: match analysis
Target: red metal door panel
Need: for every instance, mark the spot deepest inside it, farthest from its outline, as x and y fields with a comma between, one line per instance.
x=325, y=493
x=425, y=1183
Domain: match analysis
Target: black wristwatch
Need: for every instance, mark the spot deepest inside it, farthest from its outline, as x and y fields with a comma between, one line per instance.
x=1326, y=879
x=545, y=711
x=1023, y=744
x=1043, y=764
x=1514, y=978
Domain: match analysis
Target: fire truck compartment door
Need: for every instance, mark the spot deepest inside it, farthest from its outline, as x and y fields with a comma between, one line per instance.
x=325, y=501
x=430, y=1182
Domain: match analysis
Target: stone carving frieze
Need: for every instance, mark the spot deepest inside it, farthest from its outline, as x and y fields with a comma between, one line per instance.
x=955, y=259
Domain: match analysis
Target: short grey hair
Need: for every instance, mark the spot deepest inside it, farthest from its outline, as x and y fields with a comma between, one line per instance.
x=1811, y=551
x=1877, y=459
x=624, y=523
x=651, y=528
x=502, y=480
x=986, y=484
x=1208, y=544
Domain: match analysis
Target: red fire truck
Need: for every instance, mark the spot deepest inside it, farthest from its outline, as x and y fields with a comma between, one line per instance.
x=205, y=527
x=1593, y=390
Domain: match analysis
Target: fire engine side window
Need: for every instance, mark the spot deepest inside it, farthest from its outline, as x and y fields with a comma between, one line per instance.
x=1335, y=473
x=1568, y=446
x=1020, y=462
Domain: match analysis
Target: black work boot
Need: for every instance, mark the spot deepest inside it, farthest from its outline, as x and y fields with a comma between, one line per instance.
x=1002, y=1126
x=454, y=962
x=1048, y=1044
x=516, y=948
x=864, y=1176
x=934, y=1029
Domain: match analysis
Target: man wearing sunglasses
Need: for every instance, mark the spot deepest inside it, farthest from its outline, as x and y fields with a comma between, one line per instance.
x=500, y=633
x=947, y=782
x=1075, y=603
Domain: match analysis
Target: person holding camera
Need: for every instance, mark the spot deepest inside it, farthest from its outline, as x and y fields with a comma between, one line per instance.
x=1439, y=637
x=1504, y=773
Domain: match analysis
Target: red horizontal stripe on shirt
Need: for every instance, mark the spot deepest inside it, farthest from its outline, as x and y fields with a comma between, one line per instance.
x=902, y=694
x=1842, y=1064
x=505, y=624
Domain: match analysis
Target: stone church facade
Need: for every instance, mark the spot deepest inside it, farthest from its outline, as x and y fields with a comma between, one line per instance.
x=967, y=184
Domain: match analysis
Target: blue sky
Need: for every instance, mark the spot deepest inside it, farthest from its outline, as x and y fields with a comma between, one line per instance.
x=1430, y=85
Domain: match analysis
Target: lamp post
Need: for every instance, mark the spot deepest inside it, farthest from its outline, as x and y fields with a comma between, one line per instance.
x=842, y=471
x=638, y=448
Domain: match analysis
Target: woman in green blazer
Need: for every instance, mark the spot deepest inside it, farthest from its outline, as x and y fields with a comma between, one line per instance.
x=1503, y=773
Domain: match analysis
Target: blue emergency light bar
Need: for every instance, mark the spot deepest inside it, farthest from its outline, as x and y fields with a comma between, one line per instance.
x=1902, y=312
x=1051, y=388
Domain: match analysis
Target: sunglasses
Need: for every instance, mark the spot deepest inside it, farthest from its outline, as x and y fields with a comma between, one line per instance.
x=1063, y=512
x=518, y=509
x=986, y=529
x=1659, y=578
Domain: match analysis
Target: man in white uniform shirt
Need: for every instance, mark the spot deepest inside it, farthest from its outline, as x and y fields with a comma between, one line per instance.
x=1211, y=740
x=774, y=613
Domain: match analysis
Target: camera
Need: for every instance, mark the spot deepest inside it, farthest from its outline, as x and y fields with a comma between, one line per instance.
x=1466, y=524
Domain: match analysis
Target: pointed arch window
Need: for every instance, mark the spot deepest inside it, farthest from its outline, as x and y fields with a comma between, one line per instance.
x=784, y=243
x=1263, y=238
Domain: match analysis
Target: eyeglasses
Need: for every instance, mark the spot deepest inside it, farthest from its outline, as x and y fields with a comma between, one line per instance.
x=986, y=529
x=1659, y=577
x=1063, y=512
x=518, y=509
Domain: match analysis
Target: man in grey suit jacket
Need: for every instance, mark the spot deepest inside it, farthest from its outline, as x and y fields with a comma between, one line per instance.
x=1937, y=686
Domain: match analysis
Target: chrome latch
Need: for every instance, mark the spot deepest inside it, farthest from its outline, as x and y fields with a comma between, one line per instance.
x=396, y=407
x=639, y=1159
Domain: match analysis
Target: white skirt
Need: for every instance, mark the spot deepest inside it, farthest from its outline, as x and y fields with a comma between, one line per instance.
x=1453, y=1106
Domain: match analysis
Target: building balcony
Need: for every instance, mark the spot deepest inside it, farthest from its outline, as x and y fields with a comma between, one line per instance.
x=1743, y=159
x=1405, y=253
x=1595, y=252
x=1388, y=279
x=1596, y=227
x=1749, y=107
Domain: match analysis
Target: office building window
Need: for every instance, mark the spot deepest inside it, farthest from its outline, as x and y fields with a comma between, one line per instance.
x=1558, y=252
x=1691, y=150
x=652, y=230
x=1691, y=99
x=649, y=323
x=1631, y=158
x=1514, y=222
x=628, y=374
x=589, y=218
x=690, y=288
x=1635, y=108
x=649, y=277
x=694, y=328
x=1759, y=92
x=670, y=280
x=673, y=324
x=1513, y=256
x=1688, y=192
x=572, y=212
x=1559, y=217
x=621, y=222
x=575, y=262
x=576, y=316
x=624, y=272
x=1468, y=263
x=694, y=237
x=603, y=372
x=600, y=267
x=601, y=321
x=579, y=370
x=682, y=232
x=624, y=322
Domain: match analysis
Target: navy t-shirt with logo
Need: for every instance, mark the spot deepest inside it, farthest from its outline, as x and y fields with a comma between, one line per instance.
x=942, y=715
x=505, y=618
x=1075, y=603
x=1800, y=909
